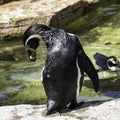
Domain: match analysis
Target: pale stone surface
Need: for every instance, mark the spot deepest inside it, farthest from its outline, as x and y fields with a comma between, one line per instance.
x=109, y=110
x=16, y=16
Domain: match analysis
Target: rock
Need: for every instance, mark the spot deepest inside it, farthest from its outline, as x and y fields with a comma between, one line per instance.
x=102, y=110
x=16, y=16
x=4, y=1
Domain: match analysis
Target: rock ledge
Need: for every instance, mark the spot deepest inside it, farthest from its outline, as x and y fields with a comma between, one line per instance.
x=102, y=110
x=16, y=16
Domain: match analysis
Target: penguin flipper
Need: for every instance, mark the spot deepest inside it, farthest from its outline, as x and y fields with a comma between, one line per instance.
x=86, y=65
x=74, y=103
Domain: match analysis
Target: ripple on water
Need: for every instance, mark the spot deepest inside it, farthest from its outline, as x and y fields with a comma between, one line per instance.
x=10, y=89
x=2, y=96
x=30, y=72
x=26, y=76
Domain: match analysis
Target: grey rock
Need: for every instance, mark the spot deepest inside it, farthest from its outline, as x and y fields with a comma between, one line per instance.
x=16, y=16
x=102, y=110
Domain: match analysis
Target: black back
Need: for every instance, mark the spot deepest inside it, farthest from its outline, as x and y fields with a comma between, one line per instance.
x=101, y=61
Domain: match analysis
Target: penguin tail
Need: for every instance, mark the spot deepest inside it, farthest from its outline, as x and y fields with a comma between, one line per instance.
x=87, y=66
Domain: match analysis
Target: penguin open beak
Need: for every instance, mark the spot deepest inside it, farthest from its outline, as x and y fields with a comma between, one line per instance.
x=32, y=54
x=112, y=63
x=113, y=60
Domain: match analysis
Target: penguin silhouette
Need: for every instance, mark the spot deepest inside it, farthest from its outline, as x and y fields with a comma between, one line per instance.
x=64, y=67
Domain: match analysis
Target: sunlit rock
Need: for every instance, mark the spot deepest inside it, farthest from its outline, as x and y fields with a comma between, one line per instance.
x=16, y=16
x=104, y=110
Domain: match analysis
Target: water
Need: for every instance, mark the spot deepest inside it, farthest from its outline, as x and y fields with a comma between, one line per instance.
x=98, y=32
x=25, y=73
x=10, y=89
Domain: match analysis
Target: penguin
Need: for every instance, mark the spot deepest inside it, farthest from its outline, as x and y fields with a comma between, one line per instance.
x=113, y=63
x=64, y=67
x=106, y=63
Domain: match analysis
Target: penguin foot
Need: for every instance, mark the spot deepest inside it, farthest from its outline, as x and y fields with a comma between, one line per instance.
x=63, y=110
x=51, y=112
x=72, y=106
x=81, y=103
x=66, y=109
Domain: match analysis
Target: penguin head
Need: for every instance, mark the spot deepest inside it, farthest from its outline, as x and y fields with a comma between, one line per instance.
x=31, y=39
x=112, y=63
x=31, y=45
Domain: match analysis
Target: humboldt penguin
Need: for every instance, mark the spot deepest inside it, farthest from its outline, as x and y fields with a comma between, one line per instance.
x=106, y=62
x=64, y=67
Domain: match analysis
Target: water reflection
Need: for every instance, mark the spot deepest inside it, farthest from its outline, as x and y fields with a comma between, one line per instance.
x=3, y=93
x=31, y=72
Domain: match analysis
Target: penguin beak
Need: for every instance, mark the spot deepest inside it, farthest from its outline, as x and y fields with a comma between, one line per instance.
x=87, y=66
x=32, y=54
x=113, y=61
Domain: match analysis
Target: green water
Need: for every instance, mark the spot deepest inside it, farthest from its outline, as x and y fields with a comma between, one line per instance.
x=99, y=31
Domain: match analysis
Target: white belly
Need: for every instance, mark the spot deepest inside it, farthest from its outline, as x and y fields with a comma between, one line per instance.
x=78, y=78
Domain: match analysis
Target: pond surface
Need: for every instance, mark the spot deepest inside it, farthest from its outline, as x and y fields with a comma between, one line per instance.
x=99, y=31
